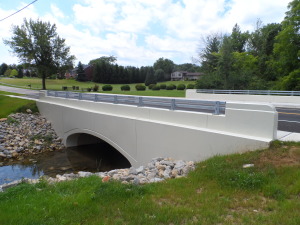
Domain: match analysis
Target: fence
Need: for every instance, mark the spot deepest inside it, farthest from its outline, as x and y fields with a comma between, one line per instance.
x=250, y=92
x=215, y=107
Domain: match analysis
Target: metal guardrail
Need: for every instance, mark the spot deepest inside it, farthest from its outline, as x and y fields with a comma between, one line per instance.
x=250, y=92
x=215, y=107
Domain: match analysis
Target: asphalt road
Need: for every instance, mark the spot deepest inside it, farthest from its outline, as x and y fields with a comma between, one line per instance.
x=288, y=119
x=28, y=92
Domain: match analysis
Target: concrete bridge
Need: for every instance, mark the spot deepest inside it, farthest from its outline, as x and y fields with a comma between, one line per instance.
x=140, y=132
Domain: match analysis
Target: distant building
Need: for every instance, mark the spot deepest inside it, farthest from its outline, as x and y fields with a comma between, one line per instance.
x=88, y=70
x=184, y=75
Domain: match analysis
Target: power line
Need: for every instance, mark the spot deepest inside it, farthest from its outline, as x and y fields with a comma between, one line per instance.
x=18, y=10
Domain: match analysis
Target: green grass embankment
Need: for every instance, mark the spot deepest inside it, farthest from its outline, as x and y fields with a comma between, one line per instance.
x=10, y=105
x=219, y=191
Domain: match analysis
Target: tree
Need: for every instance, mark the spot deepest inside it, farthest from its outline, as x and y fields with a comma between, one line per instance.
x=159, y=75
x=37, y=43
x=14, y=73
x=80, y=72
x=287, y=46
x=20, y=73
x=107, y=59
x=225, y=61
x=3, y=68
x=208, y=55
x=189, y=67
x=150, y=79
x=166, y=65
x=7, y=72
x=238, y=39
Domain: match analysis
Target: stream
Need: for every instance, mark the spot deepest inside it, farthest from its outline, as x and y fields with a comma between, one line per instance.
x=90, y=158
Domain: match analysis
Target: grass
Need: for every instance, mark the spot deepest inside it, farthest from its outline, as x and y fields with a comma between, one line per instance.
x=57, y=85
x=10, y=105
x=219, y=191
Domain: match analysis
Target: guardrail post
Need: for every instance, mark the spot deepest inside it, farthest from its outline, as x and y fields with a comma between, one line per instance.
x=140, y=103
x=56, y=94
x=80, y=96
x=173, y=104
x=217, y=108
x=67, y=94
x=292, y=93
x=96, y=98
x=116, y=99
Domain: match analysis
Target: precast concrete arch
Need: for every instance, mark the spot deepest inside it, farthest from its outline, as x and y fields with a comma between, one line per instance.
x=79, y=137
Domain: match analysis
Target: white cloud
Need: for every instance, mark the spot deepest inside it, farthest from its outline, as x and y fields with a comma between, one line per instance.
x=138, y=32
x=56, y=11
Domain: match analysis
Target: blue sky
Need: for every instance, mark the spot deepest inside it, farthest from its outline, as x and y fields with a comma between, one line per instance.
x=138, y=32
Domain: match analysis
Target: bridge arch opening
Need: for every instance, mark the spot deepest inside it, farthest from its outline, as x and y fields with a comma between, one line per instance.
x=95, y=151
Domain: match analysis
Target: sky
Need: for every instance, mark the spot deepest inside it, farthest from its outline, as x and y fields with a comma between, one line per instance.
x=138, y=32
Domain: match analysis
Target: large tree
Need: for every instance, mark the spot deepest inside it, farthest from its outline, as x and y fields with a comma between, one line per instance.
x=3, y=68
x=37, y=43
x=238, y=39
x=166, y=65
x=287, y=46
x=208, y=54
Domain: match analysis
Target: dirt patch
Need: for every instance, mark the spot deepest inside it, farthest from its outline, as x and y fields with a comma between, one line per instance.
x=286, y=156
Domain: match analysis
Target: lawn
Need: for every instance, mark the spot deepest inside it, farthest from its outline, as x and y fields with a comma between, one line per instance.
x=36, y=83
x=219, y=191
x=10, y=105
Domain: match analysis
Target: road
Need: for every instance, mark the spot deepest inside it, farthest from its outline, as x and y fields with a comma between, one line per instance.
x=288, y=119
x=27, y=92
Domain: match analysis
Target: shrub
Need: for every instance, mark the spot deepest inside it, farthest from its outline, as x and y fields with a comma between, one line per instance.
x=151, y=86
x=163, y=86
x=181, y=87
x=156, y=88
x=171, y=87
x=89, y=89
x=190, y=86
x=31, y=105
x=107, y=87
x=125, y=87
x=96, y=87
x=140, y=87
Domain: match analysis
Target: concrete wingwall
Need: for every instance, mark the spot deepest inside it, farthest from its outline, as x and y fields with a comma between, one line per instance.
x=192, y=94
x=141, y=133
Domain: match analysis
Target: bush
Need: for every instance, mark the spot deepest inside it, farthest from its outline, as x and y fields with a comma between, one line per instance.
x=125, y=87
x=95, y=88
x=107, y=87
x=171, y=87
x=190, y=86
x=151, y=86
x=291, y=82
x=53, y=77
x=32, y=106
x=140, y=87
x=156, y=88
x=163, y=86
x=181, y=87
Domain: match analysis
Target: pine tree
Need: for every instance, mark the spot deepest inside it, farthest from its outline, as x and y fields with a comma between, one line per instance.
x=80, y=72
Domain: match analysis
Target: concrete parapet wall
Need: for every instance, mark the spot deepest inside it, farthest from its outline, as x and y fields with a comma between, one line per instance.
x=192, y=94
x=142, y=133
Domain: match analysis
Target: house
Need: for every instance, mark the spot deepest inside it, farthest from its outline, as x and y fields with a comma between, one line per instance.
x=88, y=70
x=184, y=75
